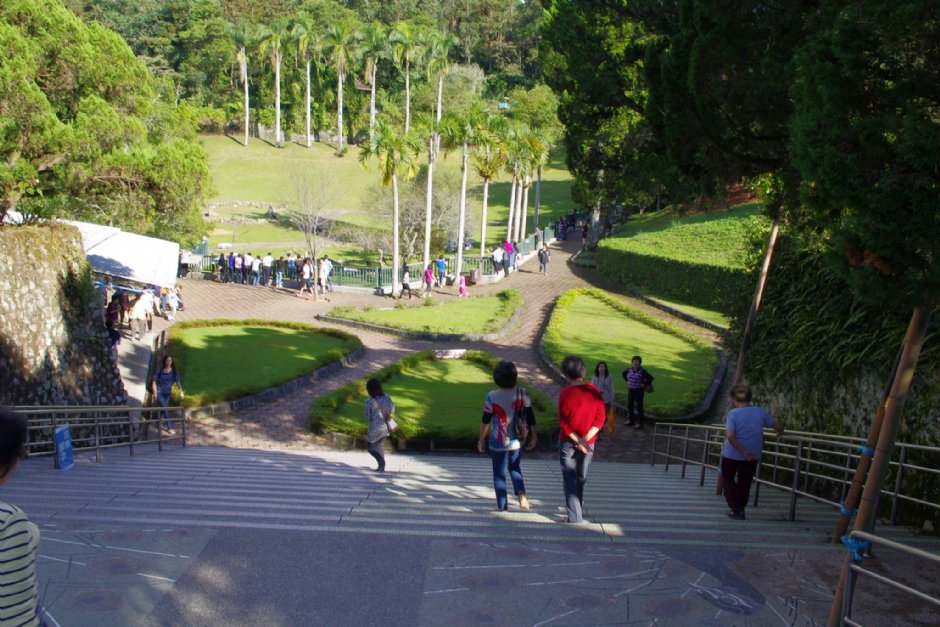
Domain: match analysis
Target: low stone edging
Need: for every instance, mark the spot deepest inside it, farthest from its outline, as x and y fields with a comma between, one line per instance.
x=273, y=393
x=429, y=337
x=678, y=313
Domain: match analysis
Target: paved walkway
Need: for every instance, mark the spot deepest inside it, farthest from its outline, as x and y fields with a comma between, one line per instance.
x=283, y=424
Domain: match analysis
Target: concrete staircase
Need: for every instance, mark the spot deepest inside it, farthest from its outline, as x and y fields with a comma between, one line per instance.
x=424, y=495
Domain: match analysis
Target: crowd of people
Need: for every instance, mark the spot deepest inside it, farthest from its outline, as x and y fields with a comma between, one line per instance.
x=247, y=269
x=134, y=310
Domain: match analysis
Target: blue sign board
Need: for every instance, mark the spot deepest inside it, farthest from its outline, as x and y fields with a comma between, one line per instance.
x=63, y=447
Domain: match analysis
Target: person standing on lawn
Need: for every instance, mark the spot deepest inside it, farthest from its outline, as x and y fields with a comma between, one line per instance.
x=505, y=446
x=580, y=418
x=744, y=442
x=639, y=381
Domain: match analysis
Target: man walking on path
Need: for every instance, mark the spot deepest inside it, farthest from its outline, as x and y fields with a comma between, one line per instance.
x=744, y=442
x=544, y=257
x=639, y=381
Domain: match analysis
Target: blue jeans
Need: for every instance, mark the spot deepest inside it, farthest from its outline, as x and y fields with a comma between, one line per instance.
x=574, y=471
x=501, y=461
x=279, y=278
x=163, y=400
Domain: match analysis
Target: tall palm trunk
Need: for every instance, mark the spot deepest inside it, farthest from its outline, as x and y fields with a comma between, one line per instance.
x=339, y=108
x=440, y=109
x=512, y=207
x=309, y=141
x=244, y=70
x=372, y=105
x=538, y=195
x=396, y=263
x=486, y=198
x=463, y=208
x=407, y=96
x=277, y=100
x=525, y=208
x=429, y=205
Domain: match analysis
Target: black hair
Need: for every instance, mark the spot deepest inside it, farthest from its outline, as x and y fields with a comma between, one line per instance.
x=374, y=388
x=172, y=363
x=505, y=374
x=597, y=368
x=573, y=367
x=13, y=433
x=740, y=393
x=636, y=357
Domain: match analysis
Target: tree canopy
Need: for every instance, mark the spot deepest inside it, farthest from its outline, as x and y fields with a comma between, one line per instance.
x=83, y=132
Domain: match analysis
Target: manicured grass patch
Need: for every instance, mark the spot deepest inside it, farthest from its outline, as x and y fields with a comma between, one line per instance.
x=221, y=360
x=476, y=315
x=715, y=317
x=699, y=260
x=434, y=398
x=598, y=327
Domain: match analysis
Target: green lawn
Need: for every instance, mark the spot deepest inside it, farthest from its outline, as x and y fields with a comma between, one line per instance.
x=715, y=317
x=433, y=399
x=718, y=238
x=476, y=315
x=599, y=327
x=225, y=359
x=260, y=172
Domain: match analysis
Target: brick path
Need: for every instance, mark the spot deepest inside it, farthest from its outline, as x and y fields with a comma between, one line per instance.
x=283, y=424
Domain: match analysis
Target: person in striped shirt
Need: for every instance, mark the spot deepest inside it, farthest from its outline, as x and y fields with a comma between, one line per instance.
x=19, y=538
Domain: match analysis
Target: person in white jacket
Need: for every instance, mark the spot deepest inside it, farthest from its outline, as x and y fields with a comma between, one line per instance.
x=605, y=383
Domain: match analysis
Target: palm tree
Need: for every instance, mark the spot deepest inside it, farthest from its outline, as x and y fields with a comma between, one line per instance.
x=397, y=156
x=373, y=48
x=339, y=45
x=461, y=132
x=543, y=152
x=429, y=132
x=536, y=154
x=304, y=33
x=437, y=53
x=272, y=39
x=243, y=34
x=406, y=46
x=489, y=161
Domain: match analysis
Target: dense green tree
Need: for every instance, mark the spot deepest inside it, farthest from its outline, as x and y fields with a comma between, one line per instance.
x=82, y=133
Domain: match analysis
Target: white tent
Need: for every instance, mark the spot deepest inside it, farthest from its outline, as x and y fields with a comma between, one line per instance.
x=146, y=260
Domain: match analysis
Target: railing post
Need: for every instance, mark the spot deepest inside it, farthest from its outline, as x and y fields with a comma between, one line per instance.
x=130, y=432
x=796, y=479
x=653, y=449
x=848, y=591
x=55, y=457
x=776, y=460
x=809, y=455
x=668, y=447
x=760, y=462
x=897, y=485
x=685, y=452
x=845, y=475
x=185, y=418
x=159, y=434
x=705, y=445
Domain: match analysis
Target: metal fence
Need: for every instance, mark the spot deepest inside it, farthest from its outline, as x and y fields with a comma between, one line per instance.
x=808, y=465
x=358, y=275
x=96, y=428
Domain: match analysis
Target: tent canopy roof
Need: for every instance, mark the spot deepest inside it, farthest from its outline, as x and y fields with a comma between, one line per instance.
x=138, y=258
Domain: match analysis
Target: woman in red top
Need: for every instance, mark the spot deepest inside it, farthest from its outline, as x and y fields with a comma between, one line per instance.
x=581, y=417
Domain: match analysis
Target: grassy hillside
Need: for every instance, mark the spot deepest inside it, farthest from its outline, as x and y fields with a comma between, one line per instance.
x=261, y=173
x=697, y=260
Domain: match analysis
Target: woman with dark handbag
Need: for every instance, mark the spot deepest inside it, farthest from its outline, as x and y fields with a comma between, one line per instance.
x=508, y=418
x=379, y=410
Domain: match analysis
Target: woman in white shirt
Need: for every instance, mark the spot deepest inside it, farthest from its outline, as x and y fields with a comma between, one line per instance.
x=605, y=383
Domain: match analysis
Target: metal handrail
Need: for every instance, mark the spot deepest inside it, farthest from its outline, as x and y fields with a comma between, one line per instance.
x=800, y=456
x=132, y=426
x=856, y=569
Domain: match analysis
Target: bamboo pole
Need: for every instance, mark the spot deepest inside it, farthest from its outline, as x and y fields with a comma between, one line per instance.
x=900, y=387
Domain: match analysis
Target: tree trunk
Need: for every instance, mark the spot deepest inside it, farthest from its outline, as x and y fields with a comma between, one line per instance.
x=428, y=209
x=309, y=142
x=247, y=120
x=440, y=110
x=486, y=197
x=595, y=221
x=463, y=209
x=512, y=206
x=339, y=109
x=407, y=96
x=517, y=215
x=888, y=431
x=525, y=208
x=755, y=302
x=372, y=106
x=538, y=195
x=277, y=100
x=396, y=262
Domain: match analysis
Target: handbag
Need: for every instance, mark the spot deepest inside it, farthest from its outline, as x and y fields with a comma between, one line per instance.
x=390, y=422
x=648, y=388
x=610, y=419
